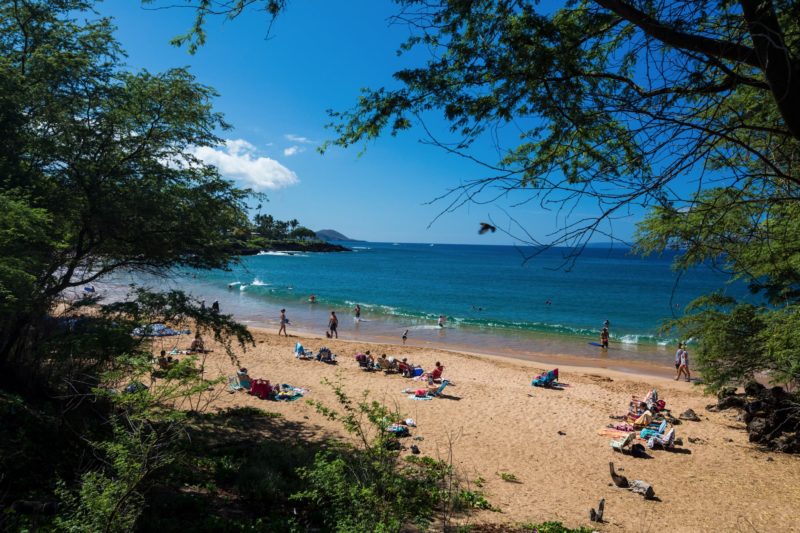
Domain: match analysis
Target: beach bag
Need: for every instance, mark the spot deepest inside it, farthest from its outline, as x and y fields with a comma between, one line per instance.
x=260, y=388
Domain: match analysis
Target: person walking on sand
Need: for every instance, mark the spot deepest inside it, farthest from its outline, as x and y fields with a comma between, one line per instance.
x=333, y=325
x=684, y=365
x=284, y=321
x=357, y=311
x=441, y=321
x=678, y=361
x=405, y=336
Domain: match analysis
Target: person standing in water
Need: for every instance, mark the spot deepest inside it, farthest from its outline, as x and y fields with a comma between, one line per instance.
x=284, y=321
x=357, y=311
x=441, y=321
x=604, y=338
x=333, y=325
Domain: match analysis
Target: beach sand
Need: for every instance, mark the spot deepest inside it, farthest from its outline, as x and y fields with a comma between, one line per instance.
x=493, y=421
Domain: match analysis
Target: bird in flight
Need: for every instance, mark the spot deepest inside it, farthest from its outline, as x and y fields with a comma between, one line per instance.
x=485, y=228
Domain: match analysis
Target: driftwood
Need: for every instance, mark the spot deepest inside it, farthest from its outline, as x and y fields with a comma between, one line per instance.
x=597, y=516
x=637, y=486
x=619, y=481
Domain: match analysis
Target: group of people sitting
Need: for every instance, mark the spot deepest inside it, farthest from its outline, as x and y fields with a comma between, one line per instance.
x=647, y=419
x=324, y=354
x=391, y=365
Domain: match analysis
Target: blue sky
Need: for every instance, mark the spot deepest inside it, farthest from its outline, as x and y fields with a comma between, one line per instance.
x=275, y=92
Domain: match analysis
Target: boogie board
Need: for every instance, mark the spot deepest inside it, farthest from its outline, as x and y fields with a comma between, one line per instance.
x=596, y=344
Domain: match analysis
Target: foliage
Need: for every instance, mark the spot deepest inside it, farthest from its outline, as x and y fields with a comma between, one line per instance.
x=553, y=527
x=96, y=171
x=508, y=477
x=368, y=488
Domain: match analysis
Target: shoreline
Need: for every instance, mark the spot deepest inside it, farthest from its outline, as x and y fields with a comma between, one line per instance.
x=621, y=367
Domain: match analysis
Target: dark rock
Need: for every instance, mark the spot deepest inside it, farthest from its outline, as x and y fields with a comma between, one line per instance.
x=689, y=414
x=731, y=401
x=770, y=459
x=753, y=388
x=696, y=440
x=757, y=428
x=712, y=408
x=777, y=394
x=672, y=420
x=786, y=443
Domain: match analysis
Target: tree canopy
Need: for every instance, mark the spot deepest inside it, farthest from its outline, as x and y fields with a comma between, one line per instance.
x=96, y=172
x=687, y=109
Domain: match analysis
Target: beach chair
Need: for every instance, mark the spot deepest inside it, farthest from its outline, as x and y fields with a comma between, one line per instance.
x=326, y=356
x=423, y=394
x=646, y=433
x=665, y=441
x=620, y=445
x=302, y=353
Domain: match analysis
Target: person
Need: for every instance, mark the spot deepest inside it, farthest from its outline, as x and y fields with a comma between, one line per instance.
x=357, y=311
x=441, y=321
x=284, y=321
x=678, y=360
x=405, y=336
x=215, y=306
x=312, y=299
x=202, y=305
x=606, y=324
x=684, y=367
x=197, y=344
x=333, y=325
x=604, y=338
x=548, y=302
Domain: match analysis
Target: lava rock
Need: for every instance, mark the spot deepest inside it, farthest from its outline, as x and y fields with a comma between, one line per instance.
x=757, y=429
x=689, y=414
x=753, y=388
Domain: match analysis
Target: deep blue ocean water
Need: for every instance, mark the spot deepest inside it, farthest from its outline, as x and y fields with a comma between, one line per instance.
x=490, y=296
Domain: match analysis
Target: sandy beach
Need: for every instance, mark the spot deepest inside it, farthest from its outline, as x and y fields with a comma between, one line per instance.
x=494, y=422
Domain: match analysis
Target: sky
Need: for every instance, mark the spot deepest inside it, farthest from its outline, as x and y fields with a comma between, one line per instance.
x=275, y=85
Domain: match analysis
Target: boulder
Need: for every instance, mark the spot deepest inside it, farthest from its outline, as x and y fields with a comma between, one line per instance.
x=757, y=429
x=724, y=392
x=753, y=388
x=729, y=402
x=786, y=443
x=689, y=415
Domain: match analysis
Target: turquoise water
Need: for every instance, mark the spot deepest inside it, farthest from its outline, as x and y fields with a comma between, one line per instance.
x=492, y=298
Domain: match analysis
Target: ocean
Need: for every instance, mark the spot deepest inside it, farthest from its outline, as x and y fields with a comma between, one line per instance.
x=494, y=301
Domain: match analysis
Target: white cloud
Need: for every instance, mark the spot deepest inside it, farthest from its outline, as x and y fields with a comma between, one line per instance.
x=238, y=160
x=298, y=139
x=293, y=150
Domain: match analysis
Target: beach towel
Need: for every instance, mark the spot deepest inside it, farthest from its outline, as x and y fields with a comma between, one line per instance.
x=287, y=393
x=548, y=379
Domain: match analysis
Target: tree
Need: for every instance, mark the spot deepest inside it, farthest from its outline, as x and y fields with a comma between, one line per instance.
x=691, y=109
x=303, y=233
x=96, y=171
